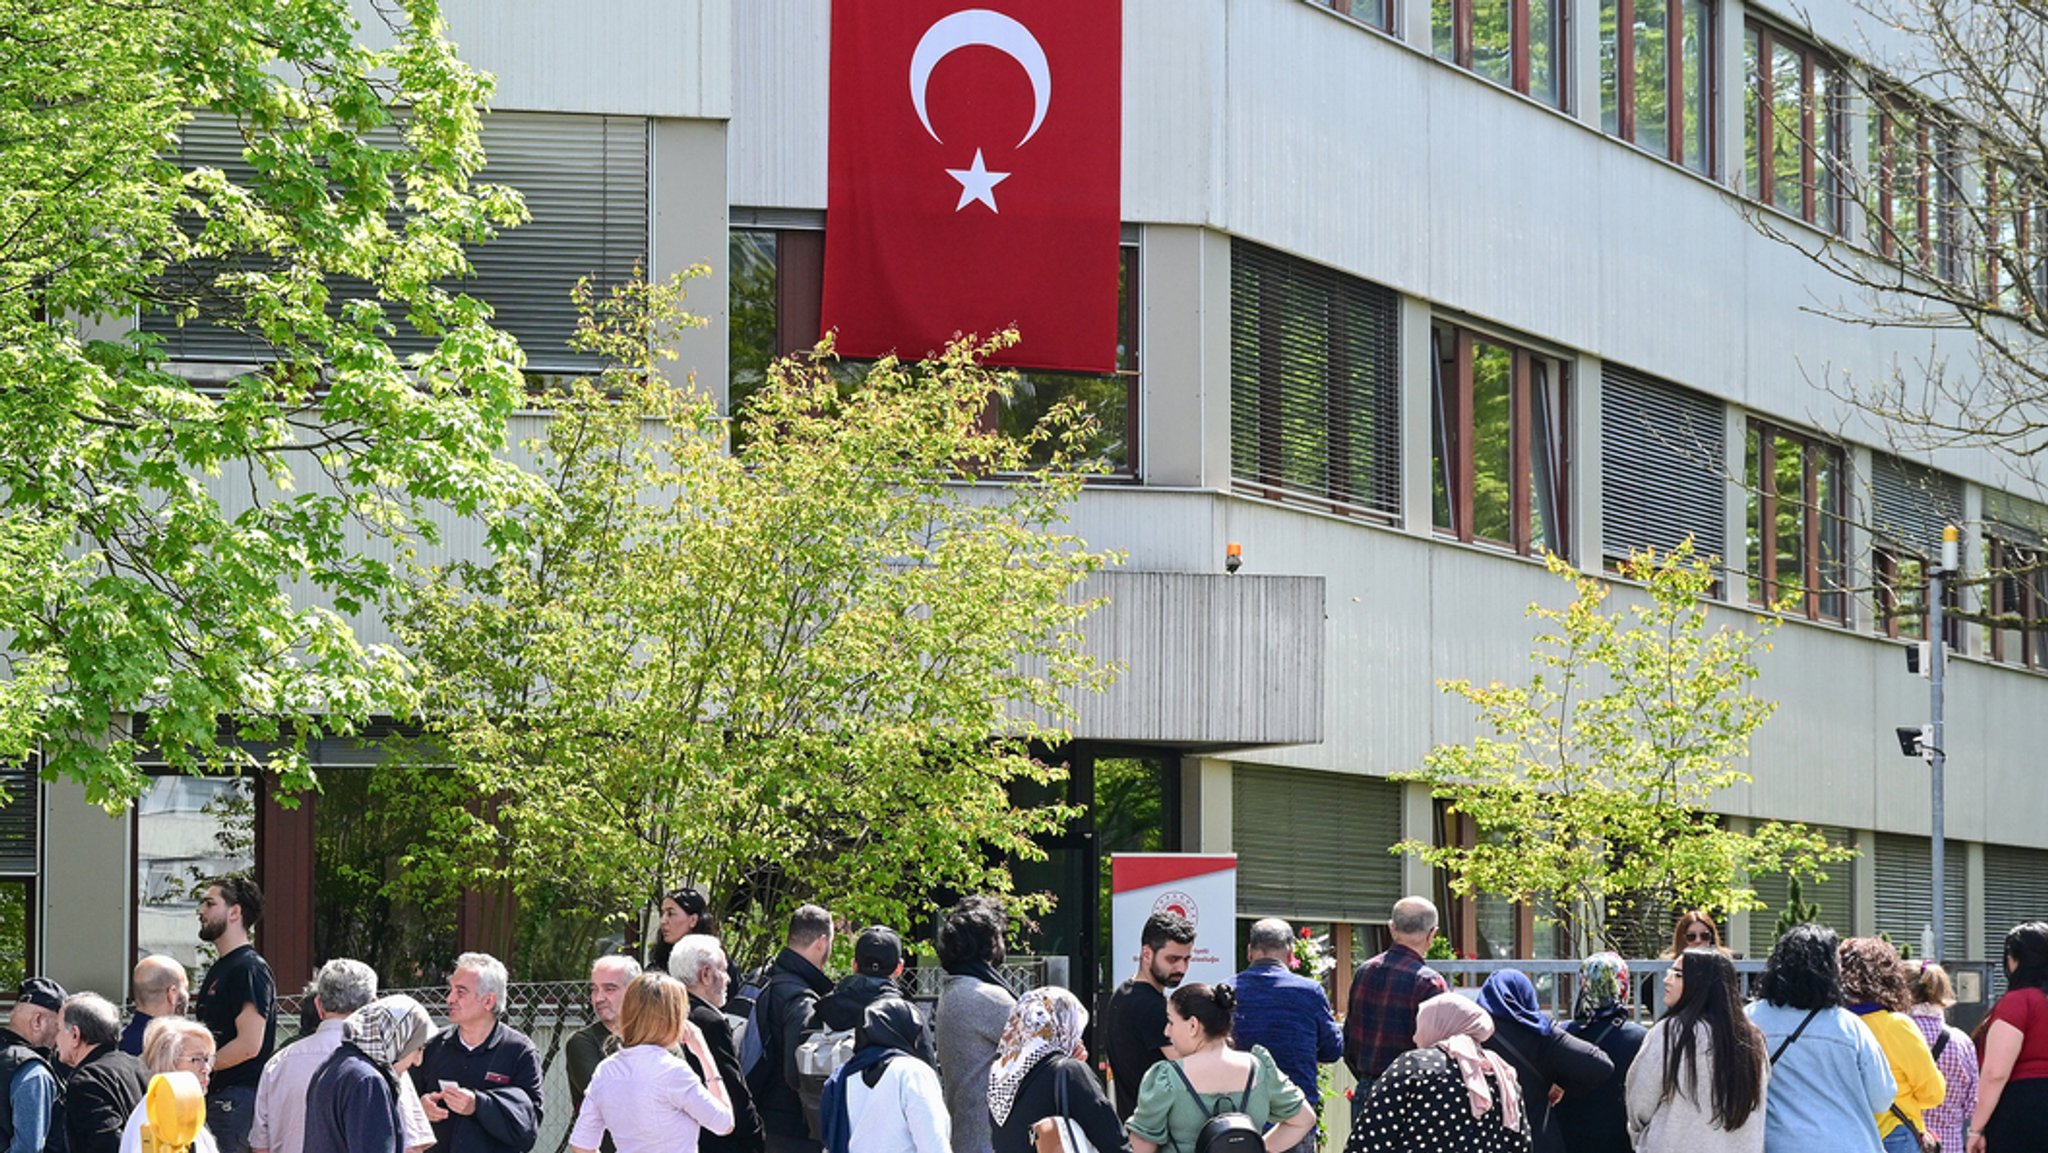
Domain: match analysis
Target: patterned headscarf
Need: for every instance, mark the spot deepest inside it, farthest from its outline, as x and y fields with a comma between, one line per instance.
x=1603, y=985
x=1045, y=1022
x=389, y=1029
x=1457, y=1026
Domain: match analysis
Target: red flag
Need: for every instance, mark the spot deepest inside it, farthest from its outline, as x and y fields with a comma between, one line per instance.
x=974, y=177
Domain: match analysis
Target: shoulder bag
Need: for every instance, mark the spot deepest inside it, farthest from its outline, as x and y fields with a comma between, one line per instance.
x=1058, y=1133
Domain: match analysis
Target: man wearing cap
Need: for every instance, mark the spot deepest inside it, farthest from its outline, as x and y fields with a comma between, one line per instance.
x=877, y=963
x=25, y=1067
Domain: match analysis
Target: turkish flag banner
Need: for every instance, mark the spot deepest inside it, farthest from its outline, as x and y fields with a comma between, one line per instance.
x=974, y=178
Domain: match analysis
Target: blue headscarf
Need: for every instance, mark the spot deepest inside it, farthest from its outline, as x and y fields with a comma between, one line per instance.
x=1508, y=995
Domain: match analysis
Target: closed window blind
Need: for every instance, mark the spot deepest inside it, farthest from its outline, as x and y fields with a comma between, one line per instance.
x=1664, y=467
x=2015, y=890
x=584, y=179
x=1911, y=504
x=18, y=820
x=1835, y=896
x=1315, y=401
x=1313, y=846
x=1905, y=896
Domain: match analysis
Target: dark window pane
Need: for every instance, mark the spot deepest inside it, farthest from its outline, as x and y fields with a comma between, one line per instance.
x=1787, y=128
x=1752, y=455
x=1790, y=532
x=754, y=333
x=1610, y=66
x=1545, y=58
x=1697, y=84
x=14, y=920
x=1752, y=130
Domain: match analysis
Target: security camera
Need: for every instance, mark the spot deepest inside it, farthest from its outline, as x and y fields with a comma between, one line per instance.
x=1916, y=740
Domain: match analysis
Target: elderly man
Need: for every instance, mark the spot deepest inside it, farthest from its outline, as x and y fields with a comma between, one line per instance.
x=609, y=977
x=31, y=1113
x=106, y=1084
x=479, y=1079
x=341, y=987
x=1286, y=1012
x=698, y=961
x=160, y=988
x=1385, y=994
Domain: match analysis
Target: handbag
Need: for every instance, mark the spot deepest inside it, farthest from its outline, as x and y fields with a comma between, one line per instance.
x=1929, y=1143
x=1058, y=1133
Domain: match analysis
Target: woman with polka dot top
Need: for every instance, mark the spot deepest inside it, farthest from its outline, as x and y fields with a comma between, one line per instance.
x=1448, y=1094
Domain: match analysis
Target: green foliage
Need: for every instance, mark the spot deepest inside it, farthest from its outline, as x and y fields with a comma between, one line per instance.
x=158, y=540
x=1591, y=791
x=807, y=669
x=1797, y=911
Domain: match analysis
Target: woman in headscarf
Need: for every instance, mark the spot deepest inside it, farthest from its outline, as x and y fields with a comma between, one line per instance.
x=1550, y=1063
x=352, y=1100
x=1446, y=1095
x=1597, y=1122
x=1041, y=1071
x=885, y=1099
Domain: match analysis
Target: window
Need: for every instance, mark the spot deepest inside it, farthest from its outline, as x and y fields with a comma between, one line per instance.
x=1499, y=469
x=2013, y=271
x=188, y=830
x=584, y=179
x=1514, y=43
x=1795, y=533
x=776, y=295
x=1664, y=475
x=1792, y=127
x=2019, y=602
x=1910, y=506
x=1916, y=211
x=17, y=873
x=1374, y=13
x=1656, y=77
x=1315, y=395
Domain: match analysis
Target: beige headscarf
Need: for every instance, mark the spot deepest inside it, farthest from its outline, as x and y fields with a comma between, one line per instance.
x=1045, y=1022
x=1457, y=1026
x=389, y=1030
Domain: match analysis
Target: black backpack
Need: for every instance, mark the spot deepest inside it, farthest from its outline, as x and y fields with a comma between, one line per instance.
x=1226, y=1130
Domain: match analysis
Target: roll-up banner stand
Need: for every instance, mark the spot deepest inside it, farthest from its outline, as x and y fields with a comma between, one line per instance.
x=1199, y=886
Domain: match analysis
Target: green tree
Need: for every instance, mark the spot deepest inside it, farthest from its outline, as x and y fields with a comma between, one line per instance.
x=1590, y=794
x=153, y=533
x=807, y=669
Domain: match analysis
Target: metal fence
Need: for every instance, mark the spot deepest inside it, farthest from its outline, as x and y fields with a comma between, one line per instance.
x=1557, y=981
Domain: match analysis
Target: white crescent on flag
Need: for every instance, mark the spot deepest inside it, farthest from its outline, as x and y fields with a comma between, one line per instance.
x=980, y=27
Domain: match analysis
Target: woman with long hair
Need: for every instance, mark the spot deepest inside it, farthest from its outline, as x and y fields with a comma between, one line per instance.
x=1041, y=1071
x=646, y=1097
x=353, y=1101
x=1549, y=1062
x=1597, y=1121
x=1449, y=1094
x=1829, y=1079
x=1875, y=989
x=1954, y=1053
x=1694, y=930
x=1176, y=1098
x=683, y=911
x=2012, y=1092
x=1698, y=1085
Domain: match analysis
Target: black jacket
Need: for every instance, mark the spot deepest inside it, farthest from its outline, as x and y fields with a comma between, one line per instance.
x=104, y=1089
x=1597, y=1122
x=503, y=1072
x=1542, y=1060
x=16, y=1053
x=843, y=1007
x=1038, y=1097
x=785, y=1011
x=352, y=1107
x=746, y=1120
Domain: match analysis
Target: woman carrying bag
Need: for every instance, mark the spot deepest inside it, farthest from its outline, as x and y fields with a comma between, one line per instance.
x=1210, y=1080
x=1040, y=1083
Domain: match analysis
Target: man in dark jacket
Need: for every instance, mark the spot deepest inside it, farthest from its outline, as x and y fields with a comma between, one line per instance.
x=783, y=1013
x=1287, y=1013
x=28, y=1114
x=106, y=1084
x=877, y=965
x=479, y=1079
x=698, y=961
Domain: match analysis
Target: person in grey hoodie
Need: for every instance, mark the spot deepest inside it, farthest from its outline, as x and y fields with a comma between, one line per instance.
x=974, y=1005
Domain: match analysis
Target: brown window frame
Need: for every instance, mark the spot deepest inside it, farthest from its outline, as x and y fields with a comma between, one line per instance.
x=1376, y=14
x=1675, y=96
x=1819, y=160
x=1520, y=30
x=2029, y=586
x=1452, y=398
x=1815, y=526
x=1903, y=618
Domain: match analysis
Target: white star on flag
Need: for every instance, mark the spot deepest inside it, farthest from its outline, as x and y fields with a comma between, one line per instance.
x=977, y=183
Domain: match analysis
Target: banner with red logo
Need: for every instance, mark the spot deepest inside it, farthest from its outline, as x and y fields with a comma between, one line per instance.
x=1199, y=886
x=975, y=181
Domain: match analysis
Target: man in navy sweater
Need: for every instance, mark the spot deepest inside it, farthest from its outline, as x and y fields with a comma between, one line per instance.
x=1287, y=1013
x=479, y=1079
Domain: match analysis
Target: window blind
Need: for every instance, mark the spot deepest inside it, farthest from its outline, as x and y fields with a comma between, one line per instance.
x=1664, y=467
x=1912, y=504
x=1835, y=896
x=1313, y=846
x=1905, y=895
x=2015, y=890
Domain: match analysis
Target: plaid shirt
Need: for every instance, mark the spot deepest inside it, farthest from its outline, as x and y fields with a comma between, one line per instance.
x=1385, y=993
x=1958, y=1064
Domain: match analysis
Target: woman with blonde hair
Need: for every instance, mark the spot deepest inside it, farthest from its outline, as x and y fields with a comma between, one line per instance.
x=173, y=1045
x=651, y=1100
x=1954, y=1053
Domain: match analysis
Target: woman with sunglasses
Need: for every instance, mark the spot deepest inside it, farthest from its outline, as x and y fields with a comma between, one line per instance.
x=1695, y=930
x=1698, y=1084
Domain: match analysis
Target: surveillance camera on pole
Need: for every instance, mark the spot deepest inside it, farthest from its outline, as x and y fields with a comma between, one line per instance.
x=1916, y=741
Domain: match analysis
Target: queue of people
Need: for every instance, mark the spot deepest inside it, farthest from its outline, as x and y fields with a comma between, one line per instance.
x=1845, y=1047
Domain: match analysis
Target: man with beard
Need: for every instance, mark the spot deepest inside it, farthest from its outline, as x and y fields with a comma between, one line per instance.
x=877, y=965
x=591, y=1044
x=30, y=1117
x=1134, y=1025
x=238, y=1005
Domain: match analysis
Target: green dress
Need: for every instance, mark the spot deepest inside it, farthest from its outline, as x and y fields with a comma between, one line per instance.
x=1169, y=1116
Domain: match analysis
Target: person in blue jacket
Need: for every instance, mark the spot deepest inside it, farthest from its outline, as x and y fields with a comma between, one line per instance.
x=352, y=1100
x=1287, y=1013
x=1829, y=1077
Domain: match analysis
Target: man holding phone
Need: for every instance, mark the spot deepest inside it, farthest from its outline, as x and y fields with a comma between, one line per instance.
x=479, y=1079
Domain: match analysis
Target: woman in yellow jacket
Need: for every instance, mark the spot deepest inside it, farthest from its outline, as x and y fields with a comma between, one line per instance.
x=1874, y=985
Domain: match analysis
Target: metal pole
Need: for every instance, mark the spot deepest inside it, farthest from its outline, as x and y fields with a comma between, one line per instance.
x=1937, y=759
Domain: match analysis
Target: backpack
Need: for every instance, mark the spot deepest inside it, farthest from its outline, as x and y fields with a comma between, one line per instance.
x=821, y=1053
x=1226, y=1130
x=753, y=1036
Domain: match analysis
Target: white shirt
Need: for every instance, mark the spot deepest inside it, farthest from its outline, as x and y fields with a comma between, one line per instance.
x=904, y=1112
x=131, y=1133
x=651, y=1101
x=279, y=1124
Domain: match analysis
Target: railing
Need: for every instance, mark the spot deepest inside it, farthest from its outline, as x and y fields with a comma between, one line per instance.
x=1021, y=974
x=1557, y=981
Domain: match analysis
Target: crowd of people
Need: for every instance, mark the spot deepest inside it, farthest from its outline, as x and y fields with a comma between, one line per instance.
x=1844, y=1048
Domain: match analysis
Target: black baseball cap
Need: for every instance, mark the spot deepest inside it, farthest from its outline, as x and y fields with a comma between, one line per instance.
x=877, y=951
x=41, y=992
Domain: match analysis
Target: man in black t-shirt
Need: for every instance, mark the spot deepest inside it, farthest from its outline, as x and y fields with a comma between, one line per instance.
x=238, y=1004
x=1134, y=1024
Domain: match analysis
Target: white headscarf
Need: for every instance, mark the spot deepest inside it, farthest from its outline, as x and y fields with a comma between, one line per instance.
x=1044, y=1023
x=389, y=1029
